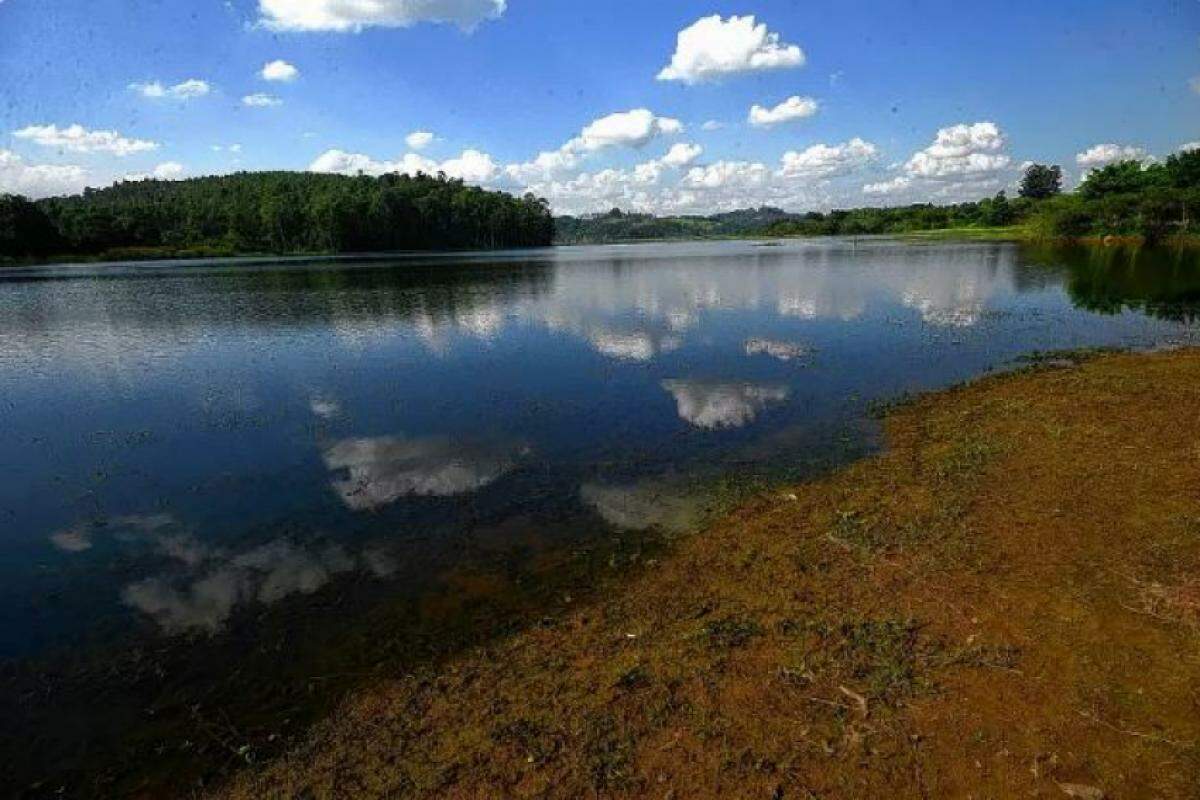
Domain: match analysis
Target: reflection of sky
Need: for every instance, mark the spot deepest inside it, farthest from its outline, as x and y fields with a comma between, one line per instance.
x=270, y=408
x=205, y=582
x=722, y=405
x=380, y=470
x=644, y=505
x=626, y=309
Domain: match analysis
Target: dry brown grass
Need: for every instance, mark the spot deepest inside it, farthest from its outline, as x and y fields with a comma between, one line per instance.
x=1002, y=604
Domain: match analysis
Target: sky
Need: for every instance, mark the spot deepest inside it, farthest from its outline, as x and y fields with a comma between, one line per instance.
x=667, y=106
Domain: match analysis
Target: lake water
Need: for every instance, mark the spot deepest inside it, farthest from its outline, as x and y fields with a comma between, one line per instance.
x=207, y=453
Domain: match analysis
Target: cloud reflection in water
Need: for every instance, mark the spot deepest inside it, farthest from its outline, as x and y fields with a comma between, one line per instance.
x=722, y=405
x=380, y=470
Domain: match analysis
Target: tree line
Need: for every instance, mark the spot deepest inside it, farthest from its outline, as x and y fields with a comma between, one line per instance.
x=273, y=212
x=1128, y=198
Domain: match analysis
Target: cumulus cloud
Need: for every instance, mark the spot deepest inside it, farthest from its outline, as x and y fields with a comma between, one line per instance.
x=418, y=140
x=355, y=15
x=721, y=405
x=681, y=154
x=1103, y=154
x=675, y=183
x=186, y=90
x=894, y=185
x=167, y=171
x=724, y=174
x=961, y=149
x=789, y=110
x=962, y=158
x=78, y=139
x=825, y=161
x=38, y=180
x=712, y=47
x=633, y=128
x=280, y=71
x=471, y=166
x=376, y=472
x=261, y=100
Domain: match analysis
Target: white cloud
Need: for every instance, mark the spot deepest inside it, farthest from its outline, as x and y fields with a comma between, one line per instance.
x=626, y=128
x=825, y=161
x=167, y=171
x=545, y=166
x=963, y=160
x=711, y=48
x=261, y=100
x=419, y=140
x=355, y=15
x=724, y=174
x=961, y=149
x=1186, y=146
x=789, y=110
x=343, y=163
x=634, y=128
x=472, y=166
x=38, y=180
x=892, y=186
x=78, y=139
x=279, y=70
x=712, y=125
x=193, y=87
x=1103, y=154
x=681, y=154
x=656, y=187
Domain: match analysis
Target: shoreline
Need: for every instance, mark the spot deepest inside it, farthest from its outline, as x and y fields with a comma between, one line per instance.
x=1017, y=234
x=1003, y=601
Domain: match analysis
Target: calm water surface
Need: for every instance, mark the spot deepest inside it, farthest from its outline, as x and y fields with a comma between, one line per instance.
x=187, y=449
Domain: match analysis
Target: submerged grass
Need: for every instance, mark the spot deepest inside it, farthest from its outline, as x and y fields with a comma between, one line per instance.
x=1003, y=603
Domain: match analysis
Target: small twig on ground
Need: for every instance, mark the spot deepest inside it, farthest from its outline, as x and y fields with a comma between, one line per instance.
x=857, y=698
x=1139, y=734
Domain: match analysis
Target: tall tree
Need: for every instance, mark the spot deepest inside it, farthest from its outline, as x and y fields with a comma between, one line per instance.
x=1041, y=181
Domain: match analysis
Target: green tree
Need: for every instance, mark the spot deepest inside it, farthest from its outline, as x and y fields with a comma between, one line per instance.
x=1041, y=181
x=1123, y=177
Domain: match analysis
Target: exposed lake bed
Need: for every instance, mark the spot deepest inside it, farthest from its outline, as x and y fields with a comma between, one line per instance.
x=292, y=475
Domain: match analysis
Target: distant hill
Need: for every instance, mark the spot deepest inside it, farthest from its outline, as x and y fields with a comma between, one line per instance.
x=619, y=226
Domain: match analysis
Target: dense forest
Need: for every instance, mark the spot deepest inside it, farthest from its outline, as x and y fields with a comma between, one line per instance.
x=272, y=212
x=1128, y=198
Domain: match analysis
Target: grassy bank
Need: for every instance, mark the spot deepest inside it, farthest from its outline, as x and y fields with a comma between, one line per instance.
x=1004, y=233
x=1004, y=603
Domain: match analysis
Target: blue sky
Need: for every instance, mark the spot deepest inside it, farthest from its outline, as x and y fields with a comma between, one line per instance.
x=893, y=101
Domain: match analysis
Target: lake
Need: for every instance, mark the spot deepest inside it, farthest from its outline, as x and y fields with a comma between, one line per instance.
x=307, y=472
